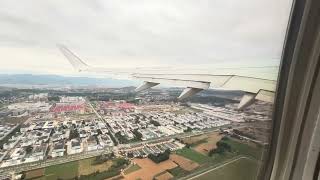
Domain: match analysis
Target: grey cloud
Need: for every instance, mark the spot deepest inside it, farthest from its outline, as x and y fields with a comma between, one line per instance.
x=166, y=31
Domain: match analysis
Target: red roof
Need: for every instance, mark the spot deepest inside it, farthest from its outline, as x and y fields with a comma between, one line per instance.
x=57, y=108
x=126, y=106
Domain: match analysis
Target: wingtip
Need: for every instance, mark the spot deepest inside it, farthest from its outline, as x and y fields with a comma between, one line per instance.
x=74, y=60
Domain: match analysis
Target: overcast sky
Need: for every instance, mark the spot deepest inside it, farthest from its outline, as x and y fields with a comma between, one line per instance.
x=126, y=33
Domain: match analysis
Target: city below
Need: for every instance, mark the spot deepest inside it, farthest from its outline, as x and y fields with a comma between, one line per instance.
x=43, y=128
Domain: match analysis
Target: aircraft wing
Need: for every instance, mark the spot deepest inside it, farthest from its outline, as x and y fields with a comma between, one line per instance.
x=255, y=88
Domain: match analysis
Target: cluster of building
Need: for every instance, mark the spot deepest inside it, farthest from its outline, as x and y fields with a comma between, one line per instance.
x=6, y=128
x=109, y=107
x=63, y=128
x=68, y=104
x=68, y=107
x=39, y=140
x=143, y=150
x=28, y=108
x=38, y=103
x=155, y=124
x=231, y=114
x=154, y=95
x=38, y=97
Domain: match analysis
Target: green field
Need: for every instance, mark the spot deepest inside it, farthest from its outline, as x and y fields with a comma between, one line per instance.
x=192, y=155
x=238, y=149
x=178, y=171
x=132, y=169
x=65, y=171
x=245, y=149
x=242, y=169
x=71, y=170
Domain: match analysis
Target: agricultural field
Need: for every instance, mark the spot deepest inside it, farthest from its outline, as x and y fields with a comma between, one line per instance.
x=183, y=162
x=242, y=169
x=132, y=168
x=65, y=171
x=195, y=139
x=238, y=149
x=88, y=166
x=164, y=176
x=37, y=173
x=246, y=149
x=178, y=172
x=179, y=164
x=192, y=155
x=209, y=144
x=85, y=169
x=149, y=169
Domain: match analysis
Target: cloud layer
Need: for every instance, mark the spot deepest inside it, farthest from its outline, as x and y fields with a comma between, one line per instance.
x=130, y=33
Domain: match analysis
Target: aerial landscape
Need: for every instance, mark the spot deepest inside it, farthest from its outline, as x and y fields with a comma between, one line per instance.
x=98, y=133
x=138, y=90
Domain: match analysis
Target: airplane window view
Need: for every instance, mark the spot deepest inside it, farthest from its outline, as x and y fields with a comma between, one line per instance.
x=138, y=89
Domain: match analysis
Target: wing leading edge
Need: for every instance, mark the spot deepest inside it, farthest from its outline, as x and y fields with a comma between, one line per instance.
x=255, y=88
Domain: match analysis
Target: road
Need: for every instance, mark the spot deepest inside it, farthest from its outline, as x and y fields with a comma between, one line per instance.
x=101, y=118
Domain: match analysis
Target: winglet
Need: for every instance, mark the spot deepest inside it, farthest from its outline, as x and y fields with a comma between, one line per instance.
x=74, y=60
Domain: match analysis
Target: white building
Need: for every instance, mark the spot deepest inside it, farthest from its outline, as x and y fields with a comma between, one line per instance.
x=38, y=153
x=74, y=146
x=92, y=143
x=105, y=140
x=58, y=149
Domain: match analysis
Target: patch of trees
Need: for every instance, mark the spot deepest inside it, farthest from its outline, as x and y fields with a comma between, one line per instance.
x=136, y=119
x=5, y=139
x=130, y=155
x=99, y=131
x=137, y=134
x=103, y=158
x=134, y=101
x=99, y=96
x=29, y=149
x=194, y=144
x=113, y=139
x=157, y=158
x=222, y=147
x=188, y=130
x=54, y=98
x=241, y=133
x=225, y=138
x=73, y=134
x=122, y=139
x=119, y=163
x=155, y=123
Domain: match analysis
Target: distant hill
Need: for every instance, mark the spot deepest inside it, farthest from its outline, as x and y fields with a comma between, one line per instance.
x=29, y=79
